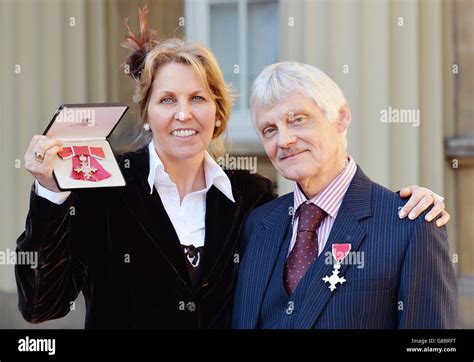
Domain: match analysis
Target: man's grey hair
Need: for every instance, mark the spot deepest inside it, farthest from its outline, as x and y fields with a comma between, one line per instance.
x=278, y=81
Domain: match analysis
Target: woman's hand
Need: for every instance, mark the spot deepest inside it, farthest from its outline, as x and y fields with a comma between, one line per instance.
x=421, y=198
x=39, y=160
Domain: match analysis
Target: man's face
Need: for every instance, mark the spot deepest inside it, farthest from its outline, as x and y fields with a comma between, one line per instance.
x=299, y=139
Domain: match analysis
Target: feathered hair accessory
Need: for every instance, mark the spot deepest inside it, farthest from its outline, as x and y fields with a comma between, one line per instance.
x=140, y=44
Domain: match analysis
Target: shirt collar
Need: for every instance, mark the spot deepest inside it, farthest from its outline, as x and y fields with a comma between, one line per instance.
x=214, y=174
x=330, y=198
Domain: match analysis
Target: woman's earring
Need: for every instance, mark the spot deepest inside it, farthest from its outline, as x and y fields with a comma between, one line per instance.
x=146, y=126
x=218, y=123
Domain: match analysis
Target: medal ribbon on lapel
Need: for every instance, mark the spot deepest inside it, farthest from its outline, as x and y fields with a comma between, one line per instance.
x=85, y=167
x=339, y=252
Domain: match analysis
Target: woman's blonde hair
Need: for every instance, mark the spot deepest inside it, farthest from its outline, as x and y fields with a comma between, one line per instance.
x=202, y=60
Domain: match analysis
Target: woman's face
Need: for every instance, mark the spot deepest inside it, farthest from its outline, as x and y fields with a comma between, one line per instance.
x=181, y=113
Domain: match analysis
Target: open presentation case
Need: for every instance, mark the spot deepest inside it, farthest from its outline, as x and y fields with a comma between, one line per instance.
x=87, y=160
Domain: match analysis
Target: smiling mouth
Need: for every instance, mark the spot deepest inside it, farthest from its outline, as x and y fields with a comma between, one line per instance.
x=291, y=156
x=184, y=133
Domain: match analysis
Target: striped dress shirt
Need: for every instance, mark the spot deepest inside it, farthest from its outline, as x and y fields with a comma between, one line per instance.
x=329, y=199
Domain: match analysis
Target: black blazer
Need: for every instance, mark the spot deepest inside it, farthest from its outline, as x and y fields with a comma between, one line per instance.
x=118, y=246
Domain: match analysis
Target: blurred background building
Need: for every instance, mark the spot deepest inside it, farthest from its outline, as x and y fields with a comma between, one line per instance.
x=384, y=54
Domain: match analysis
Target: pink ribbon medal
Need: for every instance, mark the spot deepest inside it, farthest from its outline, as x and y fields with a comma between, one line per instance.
x=339, y=252
x=85, y=167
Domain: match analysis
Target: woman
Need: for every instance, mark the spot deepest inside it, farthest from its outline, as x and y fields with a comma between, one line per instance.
x=161, y=252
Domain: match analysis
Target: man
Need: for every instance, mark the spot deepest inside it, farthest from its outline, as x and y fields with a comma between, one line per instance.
x=334, y=253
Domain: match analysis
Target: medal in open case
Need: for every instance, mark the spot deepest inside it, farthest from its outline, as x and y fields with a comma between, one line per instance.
x=86, y=160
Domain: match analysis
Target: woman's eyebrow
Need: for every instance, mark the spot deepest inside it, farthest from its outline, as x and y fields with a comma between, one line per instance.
x=200, y=90
x=165, y=91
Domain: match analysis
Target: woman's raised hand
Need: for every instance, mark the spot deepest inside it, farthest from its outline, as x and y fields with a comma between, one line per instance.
x=39, y=160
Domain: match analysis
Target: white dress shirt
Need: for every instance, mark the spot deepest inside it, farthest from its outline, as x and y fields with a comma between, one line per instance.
x=188, y=217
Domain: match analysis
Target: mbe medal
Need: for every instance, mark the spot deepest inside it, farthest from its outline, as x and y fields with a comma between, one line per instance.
x=339, y=252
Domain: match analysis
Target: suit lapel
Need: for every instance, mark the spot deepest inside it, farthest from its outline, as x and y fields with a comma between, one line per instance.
x=150, y=213
x=356, y=206
x=262, y=255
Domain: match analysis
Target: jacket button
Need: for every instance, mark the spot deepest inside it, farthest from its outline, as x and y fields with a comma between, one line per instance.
x=290, y=308
x=190, y=306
